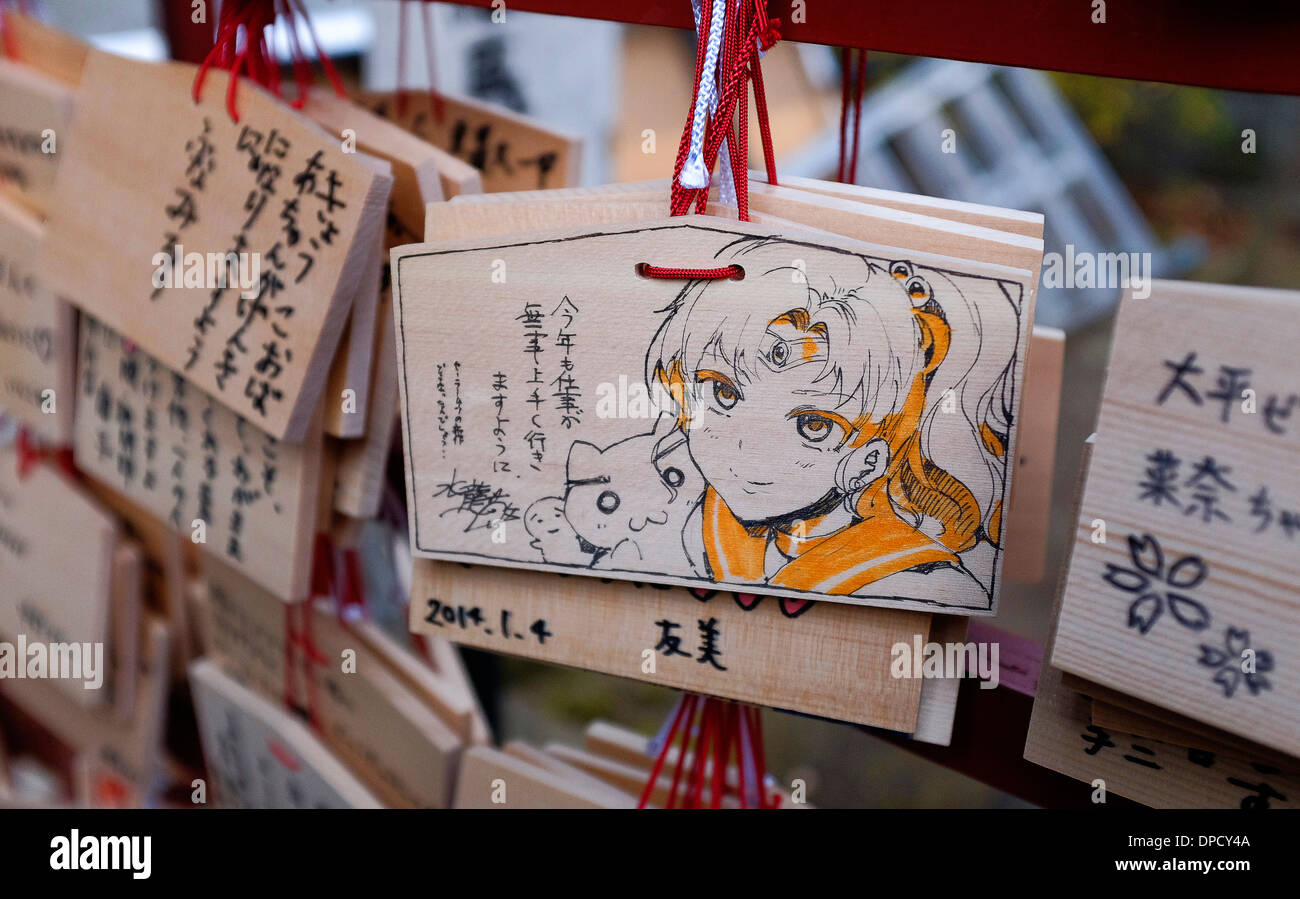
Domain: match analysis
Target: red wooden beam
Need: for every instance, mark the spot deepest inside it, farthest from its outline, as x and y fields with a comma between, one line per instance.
x=1248, y=47
x=1199, y=42
x=189, y=41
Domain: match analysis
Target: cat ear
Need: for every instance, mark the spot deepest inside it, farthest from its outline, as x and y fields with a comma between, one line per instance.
x=582, y=459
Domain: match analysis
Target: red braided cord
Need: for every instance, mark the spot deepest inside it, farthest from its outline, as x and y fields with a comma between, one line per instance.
x=227, y=25
x=740, y=158
x=733, y=86
x=857, y=113
x=741, y=779
x=289, y=643
x=352, y=598
x=844, y=112
x=311, y=656
x=301, y=68
x=738, y=137
x=684, y=145
x=682, y=197
x=254, y=53
x=691, y=274
x=721, y=753
x=690, y=703
x=717, y=127
x=764, y=126
x=8, y=45
x=696, y=794
x=331, y=74
x=733, y=65
x=29, y=455
x=853, y=80
x=663, y=757
x=746, y=29
x=756, y=717
x=299, y=637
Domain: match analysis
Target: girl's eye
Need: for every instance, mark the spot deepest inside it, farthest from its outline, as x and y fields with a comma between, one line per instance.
x=814, y=428
x=673, y=477
x=607, y=502
x=725, y=395
x=780, y=353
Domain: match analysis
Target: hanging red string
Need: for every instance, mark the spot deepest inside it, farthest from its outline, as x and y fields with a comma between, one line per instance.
x=704, y=734
x=30, y=454
x=658, y=766
x=8, y=43
x=242, y=43
x=335, y=575
x=403, y=92
x=853, y=80
x=689, y=702
x=745, y=24
x=352, y=597
x=735, y=272
x=237, y=22
x=326, y=64
x=746, y=32
x=6, y=35
x=721, y=752
x=707, y=715
x=300, y=651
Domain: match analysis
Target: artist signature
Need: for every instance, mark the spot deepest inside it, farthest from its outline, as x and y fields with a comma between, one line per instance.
x=486, y=505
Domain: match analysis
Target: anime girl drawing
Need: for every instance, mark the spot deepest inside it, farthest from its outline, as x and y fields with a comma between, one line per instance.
x=848, y=420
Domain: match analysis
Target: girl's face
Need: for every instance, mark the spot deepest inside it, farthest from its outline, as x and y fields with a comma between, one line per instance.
x=769, y=443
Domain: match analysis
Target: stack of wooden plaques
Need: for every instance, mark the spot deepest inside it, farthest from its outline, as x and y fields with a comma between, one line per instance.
x=84, y=662
x=1169, y=678
x=377, y=714
x=496, y=426
x=197, y=342
x=610, y=770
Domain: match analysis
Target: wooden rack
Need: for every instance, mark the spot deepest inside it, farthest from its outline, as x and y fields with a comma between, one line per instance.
x=1195, y=42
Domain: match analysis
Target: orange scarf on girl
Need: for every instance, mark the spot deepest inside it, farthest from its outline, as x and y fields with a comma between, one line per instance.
x=839, y=563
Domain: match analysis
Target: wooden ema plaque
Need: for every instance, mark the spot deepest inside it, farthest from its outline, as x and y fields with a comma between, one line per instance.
x=261, y=756
x=37, y=332
x=511, y=151
x=34, y=114
x=159, y=441
x=56, y=573
x=230, y=252
x=1181, y=591
x=808, y=455
x=364, y=713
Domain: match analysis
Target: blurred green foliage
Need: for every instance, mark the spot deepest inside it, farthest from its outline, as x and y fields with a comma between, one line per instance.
x=1154, y=132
